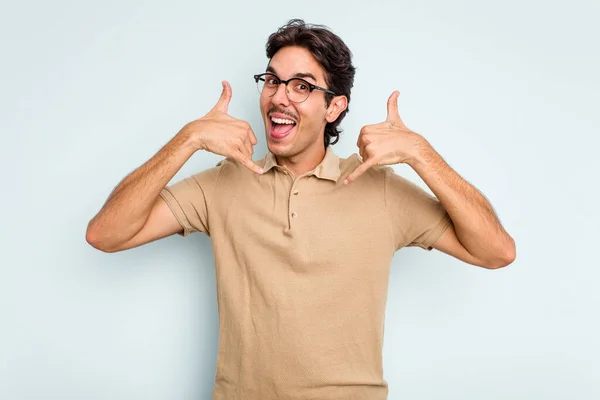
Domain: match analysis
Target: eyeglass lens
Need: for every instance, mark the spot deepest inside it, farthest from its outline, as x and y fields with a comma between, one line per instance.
x=297, y=89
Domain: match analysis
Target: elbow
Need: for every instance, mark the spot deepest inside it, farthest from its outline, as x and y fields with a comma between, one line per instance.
x=506, y=258
x=94, y=235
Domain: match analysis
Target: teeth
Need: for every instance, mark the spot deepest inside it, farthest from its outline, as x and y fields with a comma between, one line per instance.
x=282, y=121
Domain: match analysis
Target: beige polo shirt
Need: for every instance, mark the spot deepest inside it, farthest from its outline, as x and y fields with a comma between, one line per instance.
x=302, y=266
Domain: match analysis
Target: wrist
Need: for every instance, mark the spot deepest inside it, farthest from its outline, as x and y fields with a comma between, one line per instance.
x=192, y=139
x=421, y=152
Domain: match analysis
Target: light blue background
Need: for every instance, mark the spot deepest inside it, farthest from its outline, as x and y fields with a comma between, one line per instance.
x=506, y=91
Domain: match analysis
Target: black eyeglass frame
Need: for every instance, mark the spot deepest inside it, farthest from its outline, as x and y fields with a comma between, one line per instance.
x=311, y=87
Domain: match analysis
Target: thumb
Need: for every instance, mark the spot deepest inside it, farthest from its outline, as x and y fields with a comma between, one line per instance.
x=223, y=103
x=392, y=107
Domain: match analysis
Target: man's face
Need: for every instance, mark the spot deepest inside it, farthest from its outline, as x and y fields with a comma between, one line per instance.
x=306, y=136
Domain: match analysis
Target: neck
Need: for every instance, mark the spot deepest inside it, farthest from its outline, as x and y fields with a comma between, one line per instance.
x=302, y=162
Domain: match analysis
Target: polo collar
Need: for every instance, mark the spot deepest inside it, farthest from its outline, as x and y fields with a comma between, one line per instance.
x=329, y=168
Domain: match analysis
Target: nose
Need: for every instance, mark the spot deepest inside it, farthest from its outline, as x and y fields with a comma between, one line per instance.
x=280, y=97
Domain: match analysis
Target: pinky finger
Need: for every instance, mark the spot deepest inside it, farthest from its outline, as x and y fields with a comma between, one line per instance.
x=248, y=163
x=359, y=171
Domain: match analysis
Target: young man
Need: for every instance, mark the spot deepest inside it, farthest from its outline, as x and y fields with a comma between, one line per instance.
x=302, y=239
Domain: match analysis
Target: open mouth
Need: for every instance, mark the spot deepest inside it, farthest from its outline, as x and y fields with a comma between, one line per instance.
x=281, y=127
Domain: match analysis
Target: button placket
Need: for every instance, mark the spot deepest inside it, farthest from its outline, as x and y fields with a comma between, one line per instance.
x=293, y=214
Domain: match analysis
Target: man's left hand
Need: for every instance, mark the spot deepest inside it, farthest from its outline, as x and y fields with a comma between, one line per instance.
x=387, y=143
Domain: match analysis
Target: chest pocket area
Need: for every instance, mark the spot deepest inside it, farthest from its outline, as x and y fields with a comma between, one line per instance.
x=326, y=232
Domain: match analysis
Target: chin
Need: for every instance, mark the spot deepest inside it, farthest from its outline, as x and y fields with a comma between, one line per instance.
x=280, y=149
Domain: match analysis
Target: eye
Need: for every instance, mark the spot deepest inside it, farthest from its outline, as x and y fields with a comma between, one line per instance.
x=301, y=87
x=271, y=81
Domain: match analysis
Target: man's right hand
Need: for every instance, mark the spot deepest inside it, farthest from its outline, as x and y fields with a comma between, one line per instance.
x=220, y=133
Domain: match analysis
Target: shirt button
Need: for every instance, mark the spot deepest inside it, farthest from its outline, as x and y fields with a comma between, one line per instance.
x=295, y=192
x=294, y=215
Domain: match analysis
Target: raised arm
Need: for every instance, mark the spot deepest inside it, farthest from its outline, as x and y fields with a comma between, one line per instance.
x=476, y=235
x=134, y=214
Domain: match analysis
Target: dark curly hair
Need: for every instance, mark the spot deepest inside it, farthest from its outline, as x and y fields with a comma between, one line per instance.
x=330, y=51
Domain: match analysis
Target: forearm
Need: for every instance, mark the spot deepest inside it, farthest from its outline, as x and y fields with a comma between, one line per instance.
x=475, y=222
x=128, y=206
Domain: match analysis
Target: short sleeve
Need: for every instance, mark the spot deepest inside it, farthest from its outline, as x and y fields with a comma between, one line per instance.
x=417, y=217
x=190, y=200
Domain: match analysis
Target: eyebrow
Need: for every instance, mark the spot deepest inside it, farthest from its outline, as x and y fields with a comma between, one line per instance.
x=297, y=75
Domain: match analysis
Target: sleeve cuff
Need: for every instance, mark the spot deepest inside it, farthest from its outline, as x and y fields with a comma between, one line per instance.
x=436, y=232
x=175, y=207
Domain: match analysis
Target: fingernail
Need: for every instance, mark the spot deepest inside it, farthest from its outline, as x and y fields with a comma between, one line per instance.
x=345, y=181
x=260, y=171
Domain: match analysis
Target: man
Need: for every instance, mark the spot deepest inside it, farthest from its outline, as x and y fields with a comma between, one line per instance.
x=303, y=239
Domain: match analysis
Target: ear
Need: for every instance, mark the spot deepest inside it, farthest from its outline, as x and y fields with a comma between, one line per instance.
x=337, y=105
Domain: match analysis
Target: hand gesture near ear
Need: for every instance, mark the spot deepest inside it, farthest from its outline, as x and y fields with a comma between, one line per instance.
x=386, y=143
x=220, y=133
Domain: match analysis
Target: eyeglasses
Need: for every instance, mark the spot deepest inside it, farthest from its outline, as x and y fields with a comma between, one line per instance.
x=297, y=89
